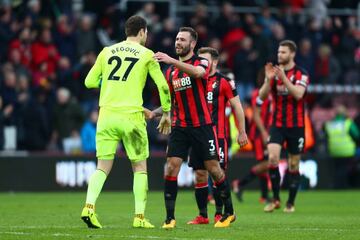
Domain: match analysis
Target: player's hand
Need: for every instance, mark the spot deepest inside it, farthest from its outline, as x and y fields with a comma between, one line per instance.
x=265, y=137
x=242, y=139
x=164, y=126
x=163, y=57
x=269, y=71
x=279, y=72
x=148, y=114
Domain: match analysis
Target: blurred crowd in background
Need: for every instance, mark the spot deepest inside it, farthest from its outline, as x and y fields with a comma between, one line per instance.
x=48, y=47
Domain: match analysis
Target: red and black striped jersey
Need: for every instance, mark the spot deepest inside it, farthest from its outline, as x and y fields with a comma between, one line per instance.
x=220, y=90
x=189, y=107
x=265, y=113
x=289, y=112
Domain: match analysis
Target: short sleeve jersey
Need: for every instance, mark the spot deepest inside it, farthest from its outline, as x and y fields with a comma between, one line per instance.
x=220, y=90
x=189, y=106
x=289, y=112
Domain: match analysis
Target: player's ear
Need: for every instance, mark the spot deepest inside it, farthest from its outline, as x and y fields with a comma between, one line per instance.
x=215, y=62
x=141, y=32
x=192, y=44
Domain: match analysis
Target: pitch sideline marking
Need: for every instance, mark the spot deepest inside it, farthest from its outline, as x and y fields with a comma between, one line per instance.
x=102, y=236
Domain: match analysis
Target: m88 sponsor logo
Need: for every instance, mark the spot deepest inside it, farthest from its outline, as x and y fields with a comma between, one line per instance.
x=181, y=83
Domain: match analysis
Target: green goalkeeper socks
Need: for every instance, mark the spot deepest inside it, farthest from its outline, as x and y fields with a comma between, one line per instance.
x=96, y=183
x=140, y=188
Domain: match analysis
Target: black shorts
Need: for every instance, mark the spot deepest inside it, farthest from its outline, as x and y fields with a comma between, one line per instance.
x=200, y=138
x=294, y=138
x=222, y=152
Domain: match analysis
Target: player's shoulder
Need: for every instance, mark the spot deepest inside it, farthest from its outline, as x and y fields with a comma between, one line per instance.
x=197, y=60
x=301, y=69
x=222, y=76
x=169, y=69
x=146, y=50
x=225, y=80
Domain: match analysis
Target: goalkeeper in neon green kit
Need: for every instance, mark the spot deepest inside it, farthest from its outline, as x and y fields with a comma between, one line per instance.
x=120, y=72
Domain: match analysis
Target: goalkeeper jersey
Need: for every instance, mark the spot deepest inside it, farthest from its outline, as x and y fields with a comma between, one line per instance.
x=120, y=71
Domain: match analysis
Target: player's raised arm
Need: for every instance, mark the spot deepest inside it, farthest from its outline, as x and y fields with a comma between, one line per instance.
x=265, y=88
x=193, y=71
x=93, y=78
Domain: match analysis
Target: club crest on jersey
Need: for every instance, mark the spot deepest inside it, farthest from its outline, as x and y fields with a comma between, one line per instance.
x=181, y=83
x=214, y=85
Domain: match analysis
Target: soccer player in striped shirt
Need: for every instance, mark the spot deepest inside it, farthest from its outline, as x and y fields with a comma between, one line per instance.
x=287, y=83
x=258, y=134
x=120, y=72
x=192, y=126
x=220, y=91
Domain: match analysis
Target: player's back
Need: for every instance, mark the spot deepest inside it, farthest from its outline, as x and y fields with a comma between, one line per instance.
x=124, y=68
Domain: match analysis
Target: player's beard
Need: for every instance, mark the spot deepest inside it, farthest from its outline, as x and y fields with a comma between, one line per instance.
x=184, y=51
x=283, y=61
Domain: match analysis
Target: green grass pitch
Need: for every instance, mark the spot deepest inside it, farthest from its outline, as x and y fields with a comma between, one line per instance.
x=319, y=215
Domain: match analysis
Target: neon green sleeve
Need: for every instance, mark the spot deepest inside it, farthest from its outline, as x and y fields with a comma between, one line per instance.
x=93, y=79
x=161, y=83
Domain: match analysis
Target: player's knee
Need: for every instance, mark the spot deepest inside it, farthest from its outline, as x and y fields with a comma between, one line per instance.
x=216, y=174
x=172, y=168
x=293, y=165
x=105, y=166
x=201, y=176
x=273, y=159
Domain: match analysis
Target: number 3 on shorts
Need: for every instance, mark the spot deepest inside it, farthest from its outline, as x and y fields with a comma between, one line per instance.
x=212, y=146
x=301, y=144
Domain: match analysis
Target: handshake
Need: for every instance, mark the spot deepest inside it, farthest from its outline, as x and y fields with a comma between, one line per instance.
x=164, y=126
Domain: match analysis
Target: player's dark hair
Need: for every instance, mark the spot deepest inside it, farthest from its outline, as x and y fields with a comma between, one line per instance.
x=212, y=51
x=190, y=30
x=290, y=44
x=133, y=25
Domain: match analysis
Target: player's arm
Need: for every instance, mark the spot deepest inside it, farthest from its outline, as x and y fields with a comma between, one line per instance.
x=157, y=112
x=153, y=114
x=240, y=116
x=258, y=121
x=93, y=78
x=161, y=83
x=229, y=90
x=164, y=126
x=265, y=88
x=193, y=71
x=297, y=90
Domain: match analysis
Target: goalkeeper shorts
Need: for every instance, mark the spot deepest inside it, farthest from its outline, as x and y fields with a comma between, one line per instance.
x=129, y=128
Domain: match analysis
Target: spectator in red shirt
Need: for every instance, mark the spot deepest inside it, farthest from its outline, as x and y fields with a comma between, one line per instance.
x=23, y=45
x=44, y=50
